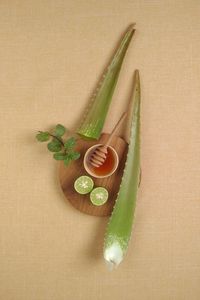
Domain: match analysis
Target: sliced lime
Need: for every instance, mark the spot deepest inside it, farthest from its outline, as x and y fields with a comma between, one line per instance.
x=99, y=196
x=83, y=185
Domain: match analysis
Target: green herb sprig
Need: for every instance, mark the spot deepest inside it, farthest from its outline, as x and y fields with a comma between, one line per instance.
x=63, y=149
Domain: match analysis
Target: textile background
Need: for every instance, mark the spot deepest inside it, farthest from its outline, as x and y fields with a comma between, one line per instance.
x=52, y=55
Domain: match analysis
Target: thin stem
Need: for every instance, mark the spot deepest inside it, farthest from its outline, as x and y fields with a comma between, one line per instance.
x=57, y=138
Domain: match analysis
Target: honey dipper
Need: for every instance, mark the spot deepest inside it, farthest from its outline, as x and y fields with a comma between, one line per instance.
x=99, y=155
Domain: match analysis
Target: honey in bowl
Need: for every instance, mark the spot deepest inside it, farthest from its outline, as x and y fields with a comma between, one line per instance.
x=107, y=168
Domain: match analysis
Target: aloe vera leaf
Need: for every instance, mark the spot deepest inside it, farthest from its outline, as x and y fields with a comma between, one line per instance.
x=120, y=224
x=95, y=116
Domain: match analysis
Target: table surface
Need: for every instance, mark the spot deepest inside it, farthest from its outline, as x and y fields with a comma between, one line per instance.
x=52, y=55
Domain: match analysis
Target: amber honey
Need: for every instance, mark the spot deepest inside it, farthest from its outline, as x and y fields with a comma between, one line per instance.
x=107, y=167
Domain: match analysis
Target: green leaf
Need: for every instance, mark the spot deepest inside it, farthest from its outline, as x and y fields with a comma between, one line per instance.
x=54, y=146
x=70, y=143
x=43, y=136
x=59, y=130
x=59, y=156
x=74, y=155
x=93, y=122
x=67, y=160
x=119, y=227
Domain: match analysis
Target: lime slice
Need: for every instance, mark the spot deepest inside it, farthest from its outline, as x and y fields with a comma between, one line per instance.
x=99, y=196
x=83, y=185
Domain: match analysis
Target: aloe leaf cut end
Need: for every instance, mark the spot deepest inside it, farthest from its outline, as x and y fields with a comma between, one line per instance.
x=93, y=122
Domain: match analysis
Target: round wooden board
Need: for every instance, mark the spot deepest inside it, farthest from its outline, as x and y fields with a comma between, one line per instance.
x=67, y=176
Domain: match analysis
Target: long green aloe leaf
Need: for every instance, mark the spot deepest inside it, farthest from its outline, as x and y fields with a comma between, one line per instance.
x=96, y=113
x=120, y=224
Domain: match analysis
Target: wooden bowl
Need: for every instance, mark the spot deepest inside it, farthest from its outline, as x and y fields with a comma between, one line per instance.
x=67, y=176
x=90, y=170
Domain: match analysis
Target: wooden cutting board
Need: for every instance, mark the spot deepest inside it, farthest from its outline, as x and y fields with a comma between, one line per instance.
x=67, y=176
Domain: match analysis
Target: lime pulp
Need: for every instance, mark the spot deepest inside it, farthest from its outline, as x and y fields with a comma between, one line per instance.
x=83, y=185
x=99, y=196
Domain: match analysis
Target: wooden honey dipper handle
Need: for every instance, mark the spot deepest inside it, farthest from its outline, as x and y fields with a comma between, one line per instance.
x=99, y=155
x=123, y=116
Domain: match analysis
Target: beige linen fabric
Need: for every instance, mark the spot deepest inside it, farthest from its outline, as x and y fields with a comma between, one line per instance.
x=51, y=56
